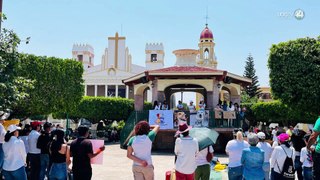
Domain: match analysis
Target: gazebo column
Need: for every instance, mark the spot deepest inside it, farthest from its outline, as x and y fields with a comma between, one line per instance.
x=209, y=100
x=216, y=92
x=138, y=102
x=161, y=96
x=154, y=90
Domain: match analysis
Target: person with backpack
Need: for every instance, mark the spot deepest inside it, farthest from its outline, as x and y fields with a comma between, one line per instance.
x=282, y=159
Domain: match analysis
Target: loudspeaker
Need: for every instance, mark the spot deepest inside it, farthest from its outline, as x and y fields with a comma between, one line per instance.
x=144, y=80
x=227, y=80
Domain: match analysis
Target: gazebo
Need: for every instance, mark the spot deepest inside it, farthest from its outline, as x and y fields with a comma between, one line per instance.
x=167, y=81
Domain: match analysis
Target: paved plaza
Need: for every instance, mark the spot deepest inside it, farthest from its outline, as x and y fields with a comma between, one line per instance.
x=116, y=165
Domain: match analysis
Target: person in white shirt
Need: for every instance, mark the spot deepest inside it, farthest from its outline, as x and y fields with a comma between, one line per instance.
x=266, y=147
x=203, y=166
x=306, y=160
x=2, y=134
x=164, y=105
x=274, y=134
x=279, y=155
x=139, y=150
x=234, y=151
x=14, y=155
x=186, y=149
x=34, y=152
x=180, y=106
x=202, y=105
x=191, y=107
x=156, y=106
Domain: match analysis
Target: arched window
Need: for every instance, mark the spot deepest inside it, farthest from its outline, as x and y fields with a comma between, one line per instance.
x=206, y=53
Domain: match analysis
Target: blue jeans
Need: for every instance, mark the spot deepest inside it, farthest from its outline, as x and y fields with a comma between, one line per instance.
x=235, y=173
x=58, y=171
x=307, y=173
x=44, y=165
x=266, y=169
x=19, y=174
x=1, y=156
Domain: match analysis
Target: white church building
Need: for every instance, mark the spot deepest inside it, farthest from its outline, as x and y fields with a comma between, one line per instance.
x=117, y=76
x=106, y=78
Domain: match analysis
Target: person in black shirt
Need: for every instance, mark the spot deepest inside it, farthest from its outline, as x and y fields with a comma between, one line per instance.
x=81, y=151
x=43, y=144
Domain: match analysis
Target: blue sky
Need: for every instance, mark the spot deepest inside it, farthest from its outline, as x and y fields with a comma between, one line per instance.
x=239, y=27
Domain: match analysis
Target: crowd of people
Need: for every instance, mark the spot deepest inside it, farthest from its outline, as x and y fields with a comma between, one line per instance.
x=40, y=151
x=286, y=155
x=190, y=163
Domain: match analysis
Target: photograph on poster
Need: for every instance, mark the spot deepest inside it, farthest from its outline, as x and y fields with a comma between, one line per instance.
x=181, y=117
x=199, y=119
x=163, y=118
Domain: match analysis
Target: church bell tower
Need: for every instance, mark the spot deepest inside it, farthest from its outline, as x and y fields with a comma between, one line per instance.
x=154, y=56
x=206, y=44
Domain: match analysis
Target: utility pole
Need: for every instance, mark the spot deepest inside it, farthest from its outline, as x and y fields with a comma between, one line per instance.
x=0, y=14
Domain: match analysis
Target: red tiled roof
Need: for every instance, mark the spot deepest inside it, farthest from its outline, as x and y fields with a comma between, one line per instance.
x=184, y=69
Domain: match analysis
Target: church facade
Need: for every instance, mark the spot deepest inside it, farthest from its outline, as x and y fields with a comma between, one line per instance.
x=105, y=79
x=194, y=70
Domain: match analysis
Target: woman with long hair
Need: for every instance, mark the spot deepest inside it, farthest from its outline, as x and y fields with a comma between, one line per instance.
x=60, y=156
x=14, y=155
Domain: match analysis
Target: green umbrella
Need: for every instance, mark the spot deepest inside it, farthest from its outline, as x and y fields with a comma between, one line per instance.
x=205, y=136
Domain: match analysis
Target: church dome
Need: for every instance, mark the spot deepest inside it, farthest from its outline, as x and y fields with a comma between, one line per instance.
x=206, y=33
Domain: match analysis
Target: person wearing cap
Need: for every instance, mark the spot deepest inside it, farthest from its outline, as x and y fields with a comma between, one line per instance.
x=139, y=150
x=266, y=147
x=2, y=134
x=252, y=159
x=234, y=151
x=191, y=107
x=186, y=149
x=279, y=155
x=81, y=151
x=42, y=144
x=14, y=155
x=34, y=151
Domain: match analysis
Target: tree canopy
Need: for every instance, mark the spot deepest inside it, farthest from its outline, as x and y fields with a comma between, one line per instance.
x=58, y=85
x=13, y=88
x=295, y=73
x=250, y=72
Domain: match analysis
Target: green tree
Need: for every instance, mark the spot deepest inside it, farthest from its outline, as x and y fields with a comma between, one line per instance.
x=252, y=90
x=295, y=73
x=13, y=88
x=58, y=85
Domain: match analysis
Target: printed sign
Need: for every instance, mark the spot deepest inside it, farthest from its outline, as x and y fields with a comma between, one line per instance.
x=163, y=118
x=199, y=119
x=229, y=115
x=96, y=144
